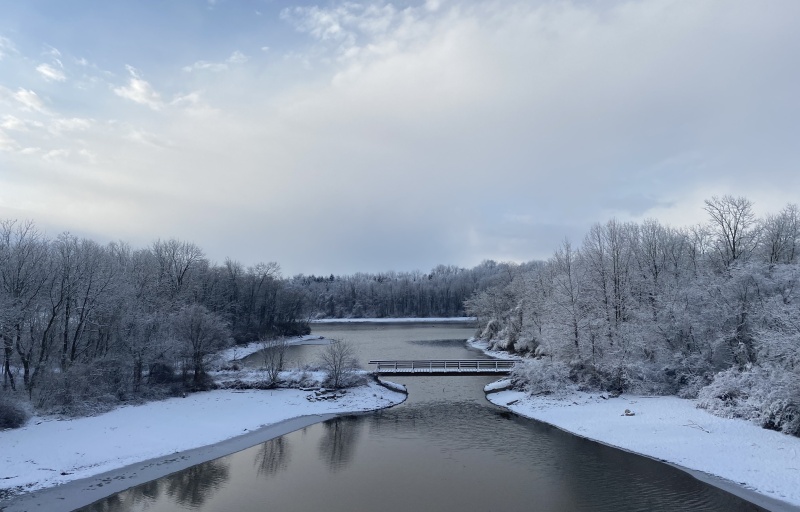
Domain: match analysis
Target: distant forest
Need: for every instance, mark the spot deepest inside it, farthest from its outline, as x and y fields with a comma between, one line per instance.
x=440, y=293
x=710, y=311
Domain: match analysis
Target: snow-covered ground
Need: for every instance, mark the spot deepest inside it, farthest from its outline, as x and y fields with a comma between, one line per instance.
x=674, y=430
x=242, y=351
x=162, y=437
x=439, y=320
x=484, y=347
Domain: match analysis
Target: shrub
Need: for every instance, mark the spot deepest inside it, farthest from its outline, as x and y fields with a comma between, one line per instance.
x=543, y=377
x=12, y=414
x=161, y=373
x=492, y=329
x=339, y=362
x=767, y=396
x=85, y=389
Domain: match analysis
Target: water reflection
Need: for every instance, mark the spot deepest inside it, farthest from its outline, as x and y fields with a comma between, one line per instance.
x=339, y=440
x=190, y=488
x=272, y=456
x=193, y=486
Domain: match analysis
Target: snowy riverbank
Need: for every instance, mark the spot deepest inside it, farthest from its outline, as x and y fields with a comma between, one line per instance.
x=46, y=453
x=761, y=466
x=99, y=455
x=748, y=460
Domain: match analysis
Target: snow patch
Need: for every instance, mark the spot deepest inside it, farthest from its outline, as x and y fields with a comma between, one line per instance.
x=242, y=351
x=498, y=385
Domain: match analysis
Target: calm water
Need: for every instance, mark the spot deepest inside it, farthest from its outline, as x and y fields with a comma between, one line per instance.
x=445, y=449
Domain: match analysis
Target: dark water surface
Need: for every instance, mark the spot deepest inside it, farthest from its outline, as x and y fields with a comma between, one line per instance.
x=445, y=449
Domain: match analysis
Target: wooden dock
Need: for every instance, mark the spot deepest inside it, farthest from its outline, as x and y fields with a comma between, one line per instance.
x=444, y=367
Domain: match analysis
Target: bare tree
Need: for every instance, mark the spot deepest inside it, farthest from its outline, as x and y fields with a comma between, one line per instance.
x=568, y=280
x=781, y=235
x=23, y=254
x=274, y=352
x=734, y=225
x=338, y=360
x=200, y=333
x=176, y=261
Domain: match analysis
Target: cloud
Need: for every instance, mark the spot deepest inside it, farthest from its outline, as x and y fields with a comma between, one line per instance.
x=236, y=58
x=74, y=124
x=147, y=138
x=347, y=30
x=13, y=123
x=52, y=51
x=6, y=142
x=202, y=65
x=6, y=47
x=30, y=101
x=50, y=73
x=68, y=156
x=139, y=91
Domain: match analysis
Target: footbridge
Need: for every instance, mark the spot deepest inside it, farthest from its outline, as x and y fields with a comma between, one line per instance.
x=444, y=367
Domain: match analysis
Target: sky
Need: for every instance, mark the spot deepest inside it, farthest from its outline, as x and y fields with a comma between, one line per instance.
x=341, y=137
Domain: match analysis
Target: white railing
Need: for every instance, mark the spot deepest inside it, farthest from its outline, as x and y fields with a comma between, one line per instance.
x=444, y=366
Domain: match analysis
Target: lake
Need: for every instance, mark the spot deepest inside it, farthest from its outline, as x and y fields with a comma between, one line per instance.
x=445, y=449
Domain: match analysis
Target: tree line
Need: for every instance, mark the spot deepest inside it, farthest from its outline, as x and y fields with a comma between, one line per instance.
x=84, y=324
x=709, y=311
x=441, y=292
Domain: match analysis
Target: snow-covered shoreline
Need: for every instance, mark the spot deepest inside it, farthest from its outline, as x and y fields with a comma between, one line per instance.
x=55, y=464
x=170, y=435
x=671, y=429
x=241, y=351
x=761, y=466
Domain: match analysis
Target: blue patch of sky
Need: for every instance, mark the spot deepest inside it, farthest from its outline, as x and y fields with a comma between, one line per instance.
x=156, y=34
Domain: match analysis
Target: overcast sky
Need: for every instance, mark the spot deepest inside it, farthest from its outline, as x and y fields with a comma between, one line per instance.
x=337, y=137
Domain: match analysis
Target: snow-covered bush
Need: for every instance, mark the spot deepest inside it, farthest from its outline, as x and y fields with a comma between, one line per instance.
x=692, y=386
x=85, y=389
x=12, y=414
x=543, y=377
x=491, y=330
x=689, y=373
x=646, y=378
x=352, y=379
x=161, y=373
x=765, y=395
x=733, y=393
x=600, y=377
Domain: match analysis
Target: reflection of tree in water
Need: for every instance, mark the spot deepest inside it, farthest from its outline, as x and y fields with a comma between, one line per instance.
x=126, y=500
x=338, y=441
x=193, y=486
x=272, y=456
